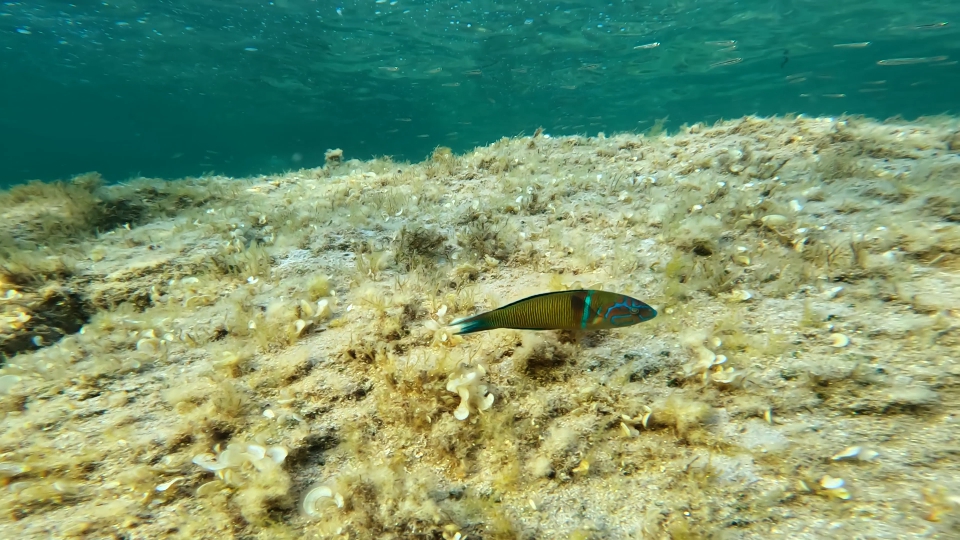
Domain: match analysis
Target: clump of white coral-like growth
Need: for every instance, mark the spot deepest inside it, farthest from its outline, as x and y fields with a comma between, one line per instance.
x=708, y=365
x=705, y=359
x=441, y=335
x=253, y=473
x=238, y=457
x=376, y=491
x=466, y=382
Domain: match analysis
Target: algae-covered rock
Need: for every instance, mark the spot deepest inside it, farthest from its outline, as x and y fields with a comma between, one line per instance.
x=30, y=320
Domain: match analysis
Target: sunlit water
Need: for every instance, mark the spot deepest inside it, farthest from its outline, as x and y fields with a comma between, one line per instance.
x=163, y=88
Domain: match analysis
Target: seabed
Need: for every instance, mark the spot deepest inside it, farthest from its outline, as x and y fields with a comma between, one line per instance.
x=268, y=357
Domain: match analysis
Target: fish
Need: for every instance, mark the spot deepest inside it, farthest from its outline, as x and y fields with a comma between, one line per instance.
x=858, y=45
x=581, y=309
x=910, y=61
x=729, y=62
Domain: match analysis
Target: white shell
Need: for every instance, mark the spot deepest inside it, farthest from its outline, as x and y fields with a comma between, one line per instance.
x=829, y=482
x=167, y=485
x=277, y=454
x=315, y=496
x=256, y=451
x=148, y=345
x=319, y=497
x=741, y=295
x=839, y=341
x=833, y=293
x=233, y=456
x=774, y=220
x=209, y=462
x=847, y=453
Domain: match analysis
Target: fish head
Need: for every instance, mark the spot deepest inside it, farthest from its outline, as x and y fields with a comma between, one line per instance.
x=627, y=311
x=640, y=311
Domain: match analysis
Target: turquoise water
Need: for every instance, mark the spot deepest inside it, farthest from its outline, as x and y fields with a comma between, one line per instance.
x=177, y=88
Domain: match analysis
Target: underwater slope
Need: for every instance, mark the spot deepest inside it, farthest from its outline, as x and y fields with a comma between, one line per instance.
x=248, y=346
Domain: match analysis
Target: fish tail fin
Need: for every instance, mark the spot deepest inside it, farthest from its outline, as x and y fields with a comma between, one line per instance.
x=476, y=323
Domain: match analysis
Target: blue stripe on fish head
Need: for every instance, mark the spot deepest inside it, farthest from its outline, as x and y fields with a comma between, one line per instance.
x=621, y=313
x=622, y=317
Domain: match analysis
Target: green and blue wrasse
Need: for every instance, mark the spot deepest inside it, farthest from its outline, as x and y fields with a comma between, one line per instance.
x=584, y=309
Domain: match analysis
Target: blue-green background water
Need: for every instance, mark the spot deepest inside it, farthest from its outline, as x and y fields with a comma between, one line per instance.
x=178, y=88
